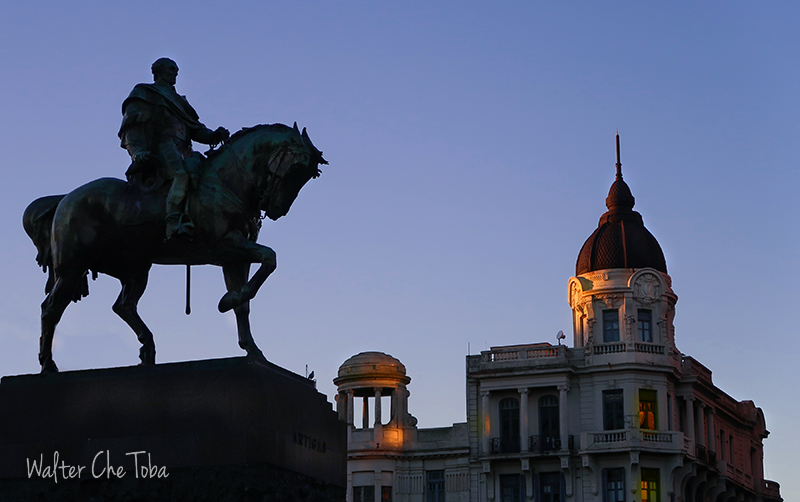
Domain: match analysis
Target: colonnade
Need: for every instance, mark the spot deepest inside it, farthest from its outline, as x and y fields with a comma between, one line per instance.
x=524, y=421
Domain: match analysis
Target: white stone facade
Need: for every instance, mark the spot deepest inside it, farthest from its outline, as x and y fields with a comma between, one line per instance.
x=621, y=416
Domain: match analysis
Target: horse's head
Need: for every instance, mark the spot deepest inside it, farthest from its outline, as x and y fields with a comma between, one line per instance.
x=290, y=165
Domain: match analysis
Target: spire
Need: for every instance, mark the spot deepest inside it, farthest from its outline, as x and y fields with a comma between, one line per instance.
x=619, y=196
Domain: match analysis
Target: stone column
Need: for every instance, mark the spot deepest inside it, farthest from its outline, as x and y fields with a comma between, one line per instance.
x=365, y=412
x=393, y=407
x=378, y=485
x=485, y=426
x=378, y=435
x=399, y=395
x=563, y=416
x=701, y=437
x=712, y=443
x=689, y=417
x=350, y=399
x=523, y=419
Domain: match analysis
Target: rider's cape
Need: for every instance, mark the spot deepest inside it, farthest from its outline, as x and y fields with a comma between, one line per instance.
x=153, y=95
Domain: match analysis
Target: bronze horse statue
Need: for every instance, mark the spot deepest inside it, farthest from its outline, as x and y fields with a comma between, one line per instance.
x=116, y=228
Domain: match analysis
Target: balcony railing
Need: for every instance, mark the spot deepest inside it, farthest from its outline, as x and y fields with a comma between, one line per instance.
x=536, y=444
x=657, y=437
x=610, y=437
x=537, y=352
x=645, y=440
x=648, y=348
x=544, y=443
x=609, y=348
x=706, y=456
x=505, y=445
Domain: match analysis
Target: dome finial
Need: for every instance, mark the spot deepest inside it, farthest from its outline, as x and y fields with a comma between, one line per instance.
x=619, y=164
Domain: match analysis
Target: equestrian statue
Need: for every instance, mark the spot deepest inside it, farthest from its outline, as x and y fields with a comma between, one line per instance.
x=176, y=207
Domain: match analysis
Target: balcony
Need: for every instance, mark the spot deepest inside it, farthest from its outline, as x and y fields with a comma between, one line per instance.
x=618, y=440
x=505, y=445
x=536, y=444
x=707, y=456
x=544, y=444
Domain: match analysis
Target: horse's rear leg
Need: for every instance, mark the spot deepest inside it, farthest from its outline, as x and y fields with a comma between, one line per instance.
x=133, y=288
x=53, y=308
x=235, y=279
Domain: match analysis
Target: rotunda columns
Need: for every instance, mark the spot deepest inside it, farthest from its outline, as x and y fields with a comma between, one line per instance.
x=378, y=434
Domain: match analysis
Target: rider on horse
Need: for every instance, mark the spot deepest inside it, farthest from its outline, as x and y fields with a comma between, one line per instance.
x=158, y=122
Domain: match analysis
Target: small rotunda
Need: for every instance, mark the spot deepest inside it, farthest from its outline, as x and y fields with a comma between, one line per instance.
x=374, y=375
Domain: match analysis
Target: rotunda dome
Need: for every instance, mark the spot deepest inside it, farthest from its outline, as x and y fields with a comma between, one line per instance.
x=370, y=366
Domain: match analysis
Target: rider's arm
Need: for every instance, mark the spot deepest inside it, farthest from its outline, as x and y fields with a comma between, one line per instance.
x=208, y=137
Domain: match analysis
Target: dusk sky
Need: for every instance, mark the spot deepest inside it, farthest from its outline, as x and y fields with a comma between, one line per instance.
x=471, y=148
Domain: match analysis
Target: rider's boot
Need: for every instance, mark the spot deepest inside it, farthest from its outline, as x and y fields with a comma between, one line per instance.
x=178, y=222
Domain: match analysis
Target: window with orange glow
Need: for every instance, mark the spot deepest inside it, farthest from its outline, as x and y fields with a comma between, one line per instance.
x=647, y=409
x=650, y=480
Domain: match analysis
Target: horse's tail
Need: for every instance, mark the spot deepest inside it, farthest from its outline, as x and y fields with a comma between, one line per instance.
x=38, y=223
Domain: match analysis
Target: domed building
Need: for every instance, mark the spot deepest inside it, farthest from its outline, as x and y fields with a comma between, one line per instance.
x=621, y=416
x=388, y=458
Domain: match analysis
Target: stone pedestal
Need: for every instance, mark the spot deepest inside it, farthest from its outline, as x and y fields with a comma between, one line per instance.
x=226, y=427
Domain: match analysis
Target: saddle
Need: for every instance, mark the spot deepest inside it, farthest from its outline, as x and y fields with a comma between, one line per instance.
x=147, y=175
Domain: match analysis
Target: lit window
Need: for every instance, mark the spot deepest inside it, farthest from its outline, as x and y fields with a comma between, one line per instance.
x=645, y=325
x=610, y=326
x=613, y=410
x=650, y=491
x=647, y=409
x=614, y=483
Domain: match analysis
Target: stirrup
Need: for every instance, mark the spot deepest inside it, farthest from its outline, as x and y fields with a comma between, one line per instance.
x=180, y=225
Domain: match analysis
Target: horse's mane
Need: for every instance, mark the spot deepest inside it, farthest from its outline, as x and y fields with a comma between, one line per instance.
x=244, y=131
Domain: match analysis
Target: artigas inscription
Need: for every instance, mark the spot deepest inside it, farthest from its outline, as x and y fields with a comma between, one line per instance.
x=309, y=442
x=101, y=467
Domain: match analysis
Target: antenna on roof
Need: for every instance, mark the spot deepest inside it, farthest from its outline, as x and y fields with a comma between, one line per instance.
x=560, y=336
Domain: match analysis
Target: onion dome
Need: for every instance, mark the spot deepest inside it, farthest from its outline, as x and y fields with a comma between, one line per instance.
x=621, y=240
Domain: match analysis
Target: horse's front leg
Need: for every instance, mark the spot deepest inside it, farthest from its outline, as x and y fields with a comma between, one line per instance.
x=236, y=249
x=235, y=279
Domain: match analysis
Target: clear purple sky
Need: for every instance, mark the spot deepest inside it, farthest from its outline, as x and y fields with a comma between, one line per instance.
x=471, y=148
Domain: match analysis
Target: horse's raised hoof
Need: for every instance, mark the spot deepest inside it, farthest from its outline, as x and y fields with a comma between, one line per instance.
x=230, y=300
x=49, y=367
